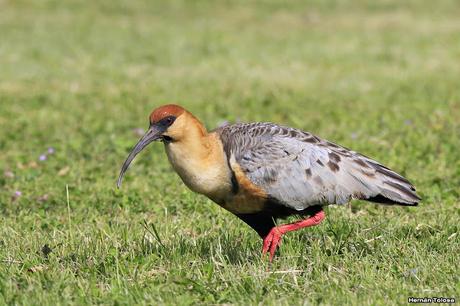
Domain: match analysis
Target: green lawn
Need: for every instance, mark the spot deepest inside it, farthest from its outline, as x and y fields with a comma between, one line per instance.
x=81, y=77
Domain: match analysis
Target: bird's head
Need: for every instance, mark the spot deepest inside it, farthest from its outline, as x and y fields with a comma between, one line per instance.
x=167, y=124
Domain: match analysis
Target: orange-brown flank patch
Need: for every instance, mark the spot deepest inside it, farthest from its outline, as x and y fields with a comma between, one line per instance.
x=250, y=198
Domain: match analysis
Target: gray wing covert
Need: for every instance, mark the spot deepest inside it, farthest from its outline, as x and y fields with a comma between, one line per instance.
x=299, y=170
x=298, y=174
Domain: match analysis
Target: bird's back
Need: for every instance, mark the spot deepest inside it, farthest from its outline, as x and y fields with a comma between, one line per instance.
x=298, y=170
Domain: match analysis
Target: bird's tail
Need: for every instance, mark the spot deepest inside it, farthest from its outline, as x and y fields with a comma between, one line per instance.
x=393, y=188
x=372, y=181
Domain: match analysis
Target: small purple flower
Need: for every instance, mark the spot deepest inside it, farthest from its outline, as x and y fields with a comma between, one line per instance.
x=222, y=123
x=408, y=122
x=8, y=174
x=139, y=131
x=16, y=195
x=51, y=150
x=354, y=135
x=42, y=157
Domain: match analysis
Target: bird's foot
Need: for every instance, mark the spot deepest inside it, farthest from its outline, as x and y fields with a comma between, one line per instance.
x=271, y=242
x=273, y=239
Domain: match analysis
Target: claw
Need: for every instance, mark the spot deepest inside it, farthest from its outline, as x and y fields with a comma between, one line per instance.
x=271, y=242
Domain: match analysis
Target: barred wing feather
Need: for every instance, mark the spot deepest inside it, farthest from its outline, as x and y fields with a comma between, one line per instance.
x=298, y=169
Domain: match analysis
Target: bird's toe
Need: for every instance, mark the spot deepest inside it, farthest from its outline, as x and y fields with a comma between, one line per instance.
x=271, y=242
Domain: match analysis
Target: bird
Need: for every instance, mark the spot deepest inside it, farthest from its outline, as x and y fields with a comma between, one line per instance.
x=262, y=172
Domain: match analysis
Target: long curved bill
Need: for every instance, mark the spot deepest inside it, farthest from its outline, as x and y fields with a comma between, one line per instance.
x=152, y=134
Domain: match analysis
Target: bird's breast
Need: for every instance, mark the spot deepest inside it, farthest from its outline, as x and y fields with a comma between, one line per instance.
x=207, y=174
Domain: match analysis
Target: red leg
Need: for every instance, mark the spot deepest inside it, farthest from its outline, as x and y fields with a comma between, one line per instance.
x=273, y=238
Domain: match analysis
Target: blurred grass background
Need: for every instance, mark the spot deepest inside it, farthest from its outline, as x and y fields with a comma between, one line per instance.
x=82, y=77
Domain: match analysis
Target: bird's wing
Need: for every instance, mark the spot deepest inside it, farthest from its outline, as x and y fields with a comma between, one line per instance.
x=299, y=170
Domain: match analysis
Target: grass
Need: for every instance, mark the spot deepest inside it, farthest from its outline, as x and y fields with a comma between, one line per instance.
x=80, y=77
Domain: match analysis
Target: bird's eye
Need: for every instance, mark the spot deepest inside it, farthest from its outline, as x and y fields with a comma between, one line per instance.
x=168, y=121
